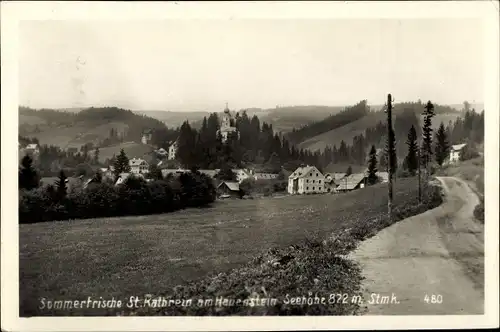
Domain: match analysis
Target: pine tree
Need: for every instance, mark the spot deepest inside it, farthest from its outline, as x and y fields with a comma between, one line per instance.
x=372, y=166
x=28, y=177
x=348, y=171
x=442, y=147
x=61, y=189
x=427, y=134
x=98, y=177
x=121, y=164
x=96, y=155
x=186, y=145
x=411, y=160
x=155, y=172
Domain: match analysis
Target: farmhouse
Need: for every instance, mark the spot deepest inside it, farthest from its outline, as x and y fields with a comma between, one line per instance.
x=138, y=166
x=306, y=180
x=455, y=152
x=172, y=150
x=229, y=188
x=352, y=182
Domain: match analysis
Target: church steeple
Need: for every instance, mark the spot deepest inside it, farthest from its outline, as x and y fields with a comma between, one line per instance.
x=226, y=110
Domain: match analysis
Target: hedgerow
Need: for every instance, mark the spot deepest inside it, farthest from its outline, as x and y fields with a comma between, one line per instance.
x=134, y=197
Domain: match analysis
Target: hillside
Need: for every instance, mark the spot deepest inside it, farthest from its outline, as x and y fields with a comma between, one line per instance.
x=357, y=127
x=74, y=129
x=283, y=119
x=132, y=149
x=174, y=119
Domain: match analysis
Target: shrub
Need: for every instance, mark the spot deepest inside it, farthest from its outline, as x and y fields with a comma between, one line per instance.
x=479, y=212
x=134, y=197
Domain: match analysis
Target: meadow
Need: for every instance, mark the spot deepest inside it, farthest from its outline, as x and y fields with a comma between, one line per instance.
x=132, y=256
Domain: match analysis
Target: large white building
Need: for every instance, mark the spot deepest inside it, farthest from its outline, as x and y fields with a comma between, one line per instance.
x=138, y=166
x=306, y=180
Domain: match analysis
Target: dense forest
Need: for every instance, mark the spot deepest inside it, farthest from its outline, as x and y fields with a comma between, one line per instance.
x=340, y=119
x=356, y=112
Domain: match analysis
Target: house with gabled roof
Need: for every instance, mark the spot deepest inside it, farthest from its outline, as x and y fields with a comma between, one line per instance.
x=138, y=166
x=306, y=180
x=456, y=151
x=229, y=189
x=352, y=182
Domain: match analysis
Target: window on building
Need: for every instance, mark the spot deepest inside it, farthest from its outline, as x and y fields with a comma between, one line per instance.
x=313, y=181
x=311, y=174
x=316, y=174
x=307, y=188
x=319, y=181
x=307, y=181
x=313, y=188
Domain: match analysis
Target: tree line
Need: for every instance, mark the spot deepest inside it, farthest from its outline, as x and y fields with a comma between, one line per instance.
x=434, y=147
x=101, y=198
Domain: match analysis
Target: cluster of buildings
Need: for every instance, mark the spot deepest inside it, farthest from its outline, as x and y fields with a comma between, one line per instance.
x=227, y=127
x=309, y=180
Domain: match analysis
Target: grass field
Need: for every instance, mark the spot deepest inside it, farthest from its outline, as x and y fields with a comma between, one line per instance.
x=132, y=149
x=75, y=135
x=133, y=256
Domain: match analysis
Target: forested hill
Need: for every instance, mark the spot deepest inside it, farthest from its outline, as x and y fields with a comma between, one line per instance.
x=348, y=115
x=332, y=130
x=91, y=125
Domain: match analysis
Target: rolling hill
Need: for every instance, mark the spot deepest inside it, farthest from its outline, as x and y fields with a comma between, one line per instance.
x=348, y=131
x=74, y=129
x=132, y=149
x=284, y=119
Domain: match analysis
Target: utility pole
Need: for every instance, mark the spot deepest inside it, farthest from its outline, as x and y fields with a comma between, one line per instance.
x=389, y=153
x=419, y=181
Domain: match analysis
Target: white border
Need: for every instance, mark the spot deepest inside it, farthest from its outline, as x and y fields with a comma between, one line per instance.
x=13, y=12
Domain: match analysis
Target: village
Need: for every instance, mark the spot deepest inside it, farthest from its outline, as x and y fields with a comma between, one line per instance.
x=306, y=179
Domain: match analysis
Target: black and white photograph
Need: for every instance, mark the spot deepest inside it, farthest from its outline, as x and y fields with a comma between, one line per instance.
x=224, y=164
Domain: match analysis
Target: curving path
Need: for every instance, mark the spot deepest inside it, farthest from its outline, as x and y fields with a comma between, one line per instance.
x=438, y=254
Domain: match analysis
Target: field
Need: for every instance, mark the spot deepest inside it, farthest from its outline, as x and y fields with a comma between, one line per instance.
x=74, y=135
x=128, y=256
x=132, y=149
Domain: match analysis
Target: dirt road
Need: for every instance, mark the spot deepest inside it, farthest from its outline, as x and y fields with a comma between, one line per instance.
x=428, y=264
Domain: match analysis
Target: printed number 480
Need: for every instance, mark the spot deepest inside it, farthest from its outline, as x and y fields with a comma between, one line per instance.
x=433, y=299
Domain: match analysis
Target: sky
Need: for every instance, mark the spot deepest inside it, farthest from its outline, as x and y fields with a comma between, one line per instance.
x=197, y=65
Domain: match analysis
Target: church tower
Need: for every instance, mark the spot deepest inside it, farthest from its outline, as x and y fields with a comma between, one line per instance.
x=226, y=118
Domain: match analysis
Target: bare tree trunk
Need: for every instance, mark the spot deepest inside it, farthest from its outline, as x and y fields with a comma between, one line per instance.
x=389, y=152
